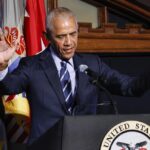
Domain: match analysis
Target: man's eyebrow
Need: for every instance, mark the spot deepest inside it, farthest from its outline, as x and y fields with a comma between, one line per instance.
x=73, y=32
x=60, y=35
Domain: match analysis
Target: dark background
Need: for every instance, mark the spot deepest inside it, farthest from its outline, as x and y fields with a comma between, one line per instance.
x=131, y=64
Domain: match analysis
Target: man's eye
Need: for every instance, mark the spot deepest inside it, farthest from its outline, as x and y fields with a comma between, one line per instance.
x=74, y=34
x=60, y=37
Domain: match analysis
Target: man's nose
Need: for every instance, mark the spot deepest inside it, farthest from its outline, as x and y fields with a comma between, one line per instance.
x=67, y=40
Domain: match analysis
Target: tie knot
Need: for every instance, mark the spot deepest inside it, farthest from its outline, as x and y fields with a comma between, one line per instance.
x=63, y=64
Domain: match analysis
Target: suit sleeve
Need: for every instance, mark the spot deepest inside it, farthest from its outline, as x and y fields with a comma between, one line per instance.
x=141, y=84
x=17, y=81
x=121, y=84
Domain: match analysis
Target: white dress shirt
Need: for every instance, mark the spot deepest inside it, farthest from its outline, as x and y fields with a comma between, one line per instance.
x=3, y=73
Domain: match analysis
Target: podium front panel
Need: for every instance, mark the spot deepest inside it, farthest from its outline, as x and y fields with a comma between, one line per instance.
x=87, y=132
x=82, y=132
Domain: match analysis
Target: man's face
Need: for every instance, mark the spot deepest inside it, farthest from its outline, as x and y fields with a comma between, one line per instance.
x=64, y=36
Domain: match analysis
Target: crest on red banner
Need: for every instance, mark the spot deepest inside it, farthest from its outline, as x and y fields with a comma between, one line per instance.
x=13, y=36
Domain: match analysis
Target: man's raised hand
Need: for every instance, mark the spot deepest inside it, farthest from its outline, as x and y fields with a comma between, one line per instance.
x=7, y=50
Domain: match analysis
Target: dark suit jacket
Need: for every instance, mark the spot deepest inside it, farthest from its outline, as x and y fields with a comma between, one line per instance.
x=38, y=77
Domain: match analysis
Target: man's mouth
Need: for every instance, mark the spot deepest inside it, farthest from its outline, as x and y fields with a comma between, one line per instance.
x=68, y=49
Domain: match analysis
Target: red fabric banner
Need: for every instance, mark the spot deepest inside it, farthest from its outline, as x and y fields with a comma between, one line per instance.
x=34, y=26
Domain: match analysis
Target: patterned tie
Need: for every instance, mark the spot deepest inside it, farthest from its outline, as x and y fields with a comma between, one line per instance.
x=66, y=85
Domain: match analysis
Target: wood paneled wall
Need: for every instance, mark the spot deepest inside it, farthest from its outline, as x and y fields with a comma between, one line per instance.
x=109, y=38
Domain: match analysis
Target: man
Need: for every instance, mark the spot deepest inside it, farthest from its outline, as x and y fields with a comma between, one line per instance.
x=47, y=77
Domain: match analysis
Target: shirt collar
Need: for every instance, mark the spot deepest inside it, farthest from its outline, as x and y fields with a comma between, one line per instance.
x=57, y=60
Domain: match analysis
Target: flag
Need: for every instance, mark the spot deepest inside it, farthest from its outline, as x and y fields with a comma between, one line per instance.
x=3, y=139
x=1, y=12
x=16, y=106
x=34, y=26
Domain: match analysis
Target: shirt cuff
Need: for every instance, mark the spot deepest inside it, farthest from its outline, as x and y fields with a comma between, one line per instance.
x=3, y=73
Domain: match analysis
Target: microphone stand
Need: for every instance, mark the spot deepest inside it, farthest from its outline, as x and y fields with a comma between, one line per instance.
x=100, y=87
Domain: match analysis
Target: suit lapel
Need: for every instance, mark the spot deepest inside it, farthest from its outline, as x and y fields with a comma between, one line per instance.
x=51, y=73
x=82, y=79
x=50, y=70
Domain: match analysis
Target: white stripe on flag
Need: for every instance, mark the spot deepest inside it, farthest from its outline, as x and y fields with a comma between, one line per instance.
x=17, y=134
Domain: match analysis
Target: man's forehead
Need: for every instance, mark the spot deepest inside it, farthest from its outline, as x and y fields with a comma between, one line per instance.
x=64, y=19
x=64, y=24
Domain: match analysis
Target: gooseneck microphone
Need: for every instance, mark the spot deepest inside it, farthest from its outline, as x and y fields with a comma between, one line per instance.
x=97, y=81
x=86, y=70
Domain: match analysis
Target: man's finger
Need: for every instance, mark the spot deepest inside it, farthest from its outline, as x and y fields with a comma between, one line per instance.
x=2, y=37
x=3, y=46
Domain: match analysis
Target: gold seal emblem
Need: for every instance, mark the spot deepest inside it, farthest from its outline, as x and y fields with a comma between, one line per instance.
x=128, y=135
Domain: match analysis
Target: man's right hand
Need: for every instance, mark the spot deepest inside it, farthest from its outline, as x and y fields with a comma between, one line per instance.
x=6, y=51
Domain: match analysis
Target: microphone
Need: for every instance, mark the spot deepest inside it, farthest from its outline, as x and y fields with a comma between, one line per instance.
x=97, y=81
x=85, y=69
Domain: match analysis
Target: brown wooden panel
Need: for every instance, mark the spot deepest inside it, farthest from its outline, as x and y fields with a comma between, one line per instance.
x=52, y=4
x=123, y=5
x=113, y=45
x=109, y=38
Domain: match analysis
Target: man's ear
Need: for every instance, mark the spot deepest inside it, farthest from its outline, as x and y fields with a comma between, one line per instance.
x=47, y=35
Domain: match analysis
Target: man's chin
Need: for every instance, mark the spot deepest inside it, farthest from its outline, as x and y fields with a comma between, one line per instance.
x=68, y=56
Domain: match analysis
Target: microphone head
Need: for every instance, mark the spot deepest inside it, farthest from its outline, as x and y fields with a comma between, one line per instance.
x=83, y=68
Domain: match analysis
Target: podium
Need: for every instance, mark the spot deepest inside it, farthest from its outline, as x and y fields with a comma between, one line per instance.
x=83, y=132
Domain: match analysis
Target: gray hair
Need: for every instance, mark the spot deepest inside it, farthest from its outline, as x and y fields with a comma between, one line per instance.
x=61, y=12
